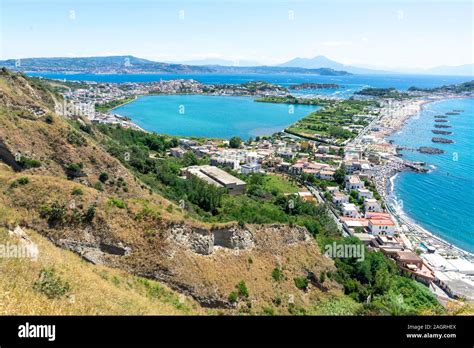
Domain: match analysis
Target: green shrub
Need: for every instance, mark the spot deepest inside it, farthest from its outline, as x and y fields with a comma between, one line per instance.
x=77, y=191
x=301, y=283
x=98, y=186
x=75, y=138
x=233, y=296
x=117, y=202
x=23, y=180
x=269, y=311
x=27, y=163
x=51, y=284
x=49, y=119
x=277, y=274
x=103, y=177
x=55, y=213
x=242, y=289
x=85, y=128
x=90, y=214
x=74, y=170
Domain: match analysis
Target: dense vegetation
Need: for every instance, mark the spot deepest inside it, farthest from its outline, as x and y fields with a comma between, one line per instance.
x=266, y=199
x=105, y=107
x=382, y=93
x=289, y=99
x=456, y=88
x=379, y=285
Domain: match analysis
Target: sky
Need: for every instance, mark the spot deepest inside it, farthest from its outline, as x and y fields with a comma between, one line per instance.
x=371, y=33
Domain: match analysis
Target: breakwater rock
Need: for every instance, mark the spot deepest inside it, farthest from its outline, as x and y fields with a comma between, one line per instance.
x=430, y=150
x=442, y=140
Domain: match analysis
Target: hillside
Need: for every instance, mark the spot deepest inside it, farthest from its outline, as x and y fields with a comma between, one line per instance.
x=91, y=289
x=60, y=184
x=134, y=65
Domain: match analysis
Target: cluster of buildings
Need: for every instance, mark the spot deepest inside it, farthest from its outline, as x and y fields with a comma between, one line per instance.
x=217, y=177
x=276, y=155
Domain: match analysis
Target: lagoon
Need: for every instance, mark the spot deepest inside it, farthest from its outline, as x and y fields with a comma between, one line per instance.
x=211, y=116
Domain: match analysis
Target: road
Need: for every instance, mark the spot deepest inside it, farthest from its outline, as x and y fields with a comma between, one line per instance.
x=332, y=212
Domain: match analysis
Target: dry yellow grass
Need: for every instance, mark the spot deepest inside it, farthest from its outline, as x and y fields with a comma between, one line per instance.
x=94, y=289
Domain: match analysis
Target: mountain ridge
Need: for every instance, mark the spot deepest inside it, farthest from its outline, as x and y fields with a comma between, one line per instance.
x=323, y=61
x=129, y=64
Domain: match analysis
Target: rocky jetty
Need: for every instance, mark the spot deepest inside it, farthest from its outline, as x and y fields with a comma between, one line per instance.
x=430, y=150
x=438, y=120
x=442, y=140
x=441, y=126
x=441, y=116
x=435, y=131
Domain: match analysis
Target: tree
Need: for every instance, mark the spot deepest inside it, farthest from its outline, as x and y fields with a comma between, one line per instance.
x=190, y=159
x=103, y=177
x=235, y=142
x=340, y=174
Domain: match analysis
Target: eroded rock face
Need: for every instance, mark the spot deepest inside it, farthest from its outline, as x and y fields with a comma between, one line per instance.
x=203, y=241
x=233, y=238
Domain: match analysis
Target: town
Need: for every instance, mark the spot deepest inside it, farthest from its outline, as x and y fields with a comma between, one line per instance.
x=347, y=171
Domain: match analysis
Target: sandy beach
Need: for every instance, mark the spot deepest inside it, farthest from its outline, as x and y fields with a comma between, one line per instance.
x=393, y=118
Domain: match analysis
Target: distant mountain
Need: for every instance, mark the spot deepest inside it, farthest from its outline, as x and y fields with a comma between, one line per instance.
x=221, y=62
x=97, y=65
x=324, y=62
x=134, y=65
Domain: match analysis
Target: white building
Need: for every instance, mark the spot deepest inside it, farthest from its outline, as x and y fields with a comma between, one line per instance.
x=340, y=198
x=381, y=226
x=364, y=193
x=326, y=174
x=250, y=168
x=349, y=210
x=372, y=205
x=353, y=182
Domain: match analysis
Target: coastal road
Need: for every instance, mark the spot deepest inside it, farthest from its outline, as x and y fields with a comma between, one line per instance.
x=321, y=199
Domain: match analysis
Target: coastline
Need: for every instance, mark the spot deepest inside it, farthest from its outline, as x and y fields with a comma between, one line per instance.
x=415, y=233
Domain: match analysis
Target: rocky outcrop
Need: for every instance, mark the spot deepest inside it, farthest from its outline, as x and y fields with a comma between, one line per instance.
x=203, y=241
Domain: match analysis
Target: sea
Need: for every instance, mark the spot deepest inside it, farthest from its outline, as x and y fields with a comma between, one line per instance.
x=348, y=84
x=441, y=200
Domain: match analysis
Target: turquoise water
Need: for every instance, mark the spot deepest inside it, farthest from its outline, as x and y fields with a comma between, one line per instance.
x=442, y=200
x=211, y=116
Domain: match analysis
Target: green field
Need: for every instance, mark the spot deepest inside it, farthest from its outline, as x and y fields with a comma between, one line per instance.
x=335, y=123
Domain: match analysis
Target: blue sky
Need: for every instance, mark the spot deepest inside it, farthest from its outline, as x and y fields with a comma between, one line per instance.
x=403, y=33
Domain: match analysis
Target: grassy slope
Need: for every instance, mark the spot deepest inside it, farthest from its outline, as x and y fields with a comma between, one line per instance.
x=94, y=289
